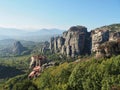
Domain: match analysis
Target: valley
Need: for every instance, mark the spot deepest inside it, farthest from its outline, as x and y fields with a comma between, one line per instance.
x=82, y=60
x=60, y=45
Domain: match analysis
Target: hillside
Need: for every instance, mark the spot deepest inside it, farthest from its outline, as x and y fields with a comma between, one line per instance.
x=112, y=27
x=12, y=66
x=83, y=61
x=9, y=42
x=10, y=47
x=102, y=74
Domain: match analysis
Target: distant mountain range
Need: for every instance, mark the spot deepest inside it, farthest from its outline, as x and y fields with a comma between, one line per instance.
x=9, y=42
x=35, y=35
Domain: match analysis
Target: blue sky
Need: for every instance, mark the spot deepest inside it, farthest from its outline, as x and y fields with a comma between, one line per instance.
x=61, y=14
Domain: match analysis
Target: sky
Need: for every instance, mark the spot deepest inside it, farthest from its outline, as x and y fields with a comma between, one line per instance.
x=61, y=14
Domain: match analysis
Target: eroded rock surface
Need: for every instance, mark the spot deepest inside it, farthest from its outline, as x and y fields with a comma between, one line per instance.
x=72, y=42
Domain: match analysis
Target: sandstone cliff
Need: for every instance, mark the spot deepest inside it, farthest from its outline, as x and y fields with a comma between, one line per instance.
x=78, y=41
x=105, y=40
x=75, y=41
x=108, y=49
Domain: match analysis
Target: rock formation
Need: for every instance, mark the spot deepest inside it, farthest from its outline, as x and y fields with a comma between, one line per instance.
x=105, y=40
x=72, y=42
x=99, y=36
x=45, y=47
x=77, y=41
x=114, y=36
x=108, y=49
x=18, y=48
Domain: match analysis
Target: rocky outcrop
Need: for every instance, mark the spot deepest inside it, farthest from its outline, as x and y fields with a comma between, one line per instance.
x=72, y=42
x=108, y=49
x=14, y=48
x=114, y=36
x=18, y=48
x=99, y=36
x=105, y=40
x=45, y=47
x=77, y=41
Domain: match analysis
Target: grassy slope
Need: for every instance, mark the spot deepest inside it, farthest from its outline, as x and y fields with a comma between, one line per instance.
x=13, y=66
x=91, y=74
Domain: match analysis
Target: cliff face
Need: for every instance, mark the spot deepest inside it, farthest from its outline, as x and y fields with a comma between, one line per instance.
x=105, y=40
x=108, y=49
x=77, y=41
x=72, y=42
x=99, y=36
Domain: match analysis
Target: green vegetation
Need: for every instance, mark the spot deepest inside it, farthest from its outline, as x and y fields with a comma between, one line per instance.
x=19, y=62
x=13, y=66
x=91, y=74
x=112, y=27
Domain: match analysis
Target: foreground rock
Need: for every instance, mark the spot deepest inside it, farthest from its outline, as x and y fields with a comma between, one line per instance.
x=38, y=63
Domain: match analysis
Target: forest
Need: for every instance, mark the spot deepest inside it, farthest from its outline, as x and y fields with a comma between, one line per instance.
x=83, y=74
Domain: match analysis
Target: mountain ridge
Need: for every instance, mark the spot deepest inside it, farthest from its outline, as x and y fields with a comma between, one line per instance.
x=37, y=35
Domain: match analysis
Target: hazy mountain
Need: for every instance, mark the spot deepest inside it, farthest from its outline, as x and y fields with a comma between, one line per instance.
x=11, y=46
x=9, y=42
x=35, y=35
x=46, y=32
x=11, y=31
